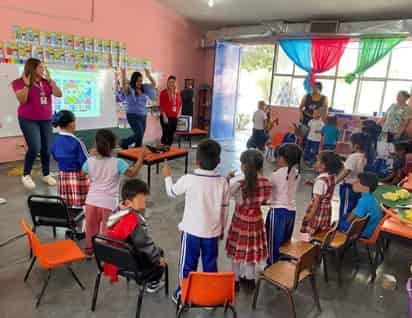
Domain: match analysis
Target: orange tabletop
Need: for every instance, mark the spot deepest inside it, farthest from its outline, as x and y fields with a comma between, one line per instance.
x=396, y=227
x=134, y=153
x=193, y=132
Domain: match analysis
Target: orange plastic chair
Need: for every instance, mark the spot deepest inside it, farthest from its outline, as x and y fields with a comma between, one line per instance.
x=208, y=290
x=375, y=240
x=52, y=255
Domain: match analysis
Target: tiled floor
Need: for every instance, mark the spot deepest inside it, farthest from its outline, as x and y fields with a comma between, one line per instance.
x=63, y=298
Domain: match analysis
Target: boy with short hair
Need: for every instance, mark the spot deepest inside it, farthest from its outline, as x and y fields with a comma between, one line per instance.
x=330, y=134
x=129, y=225
x=312, y=143
x=204, y=218
x=259, y=136
x=367, y=204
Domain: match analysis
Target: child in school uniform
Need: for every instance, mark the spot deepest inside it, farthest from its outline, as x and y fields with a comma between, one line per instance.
x=128, y=224
x=313, y=141
x=290, y=137
x=330, y=134
x=259, y=137
x=104, y=171
x=367, y=205
x=397, y=173
x=353, y=166
x=281, y=217
x=319, y=212
x=246, y=242
x=204, y=217
x=70, y=154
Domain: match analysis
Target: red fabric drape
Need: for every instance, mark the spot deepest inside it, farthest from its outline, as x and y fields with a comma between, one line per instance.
x=326, y=53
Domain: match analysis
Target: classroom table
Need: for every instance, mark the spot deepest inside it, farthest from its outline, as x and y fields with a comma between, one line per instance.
x=189, y=135
x=393, y=228
x=155, y=158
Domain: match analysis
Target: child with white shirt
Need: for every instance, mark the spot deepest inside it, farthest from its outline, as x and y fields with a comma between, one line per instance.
x=281, y=217
x=259, y=136
x=354, y=165
x=204, y=217
x=319, y=212
x=313, y=141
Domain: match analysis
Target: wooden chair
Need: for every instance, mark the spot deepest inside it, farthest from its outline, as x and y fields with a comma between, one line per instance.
x=52, y=255
x=120, y=254
x=208, y=290
x=287, y=274
x=340, y=243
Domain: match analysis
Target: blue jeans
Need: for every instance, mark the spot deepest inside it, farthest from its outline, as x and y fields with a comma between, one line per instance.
x=311, y=151
x=258, y=139
x=38, y=136
x=138, y=125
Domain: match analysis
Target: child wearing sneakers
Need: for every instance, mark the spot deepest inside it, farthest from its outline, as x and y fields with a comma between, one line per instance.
x=129, y=225
x=204, y=217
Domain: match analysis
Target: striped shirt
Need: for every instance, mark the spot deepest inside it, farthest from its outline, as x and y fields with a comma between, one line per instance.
x=206, y=201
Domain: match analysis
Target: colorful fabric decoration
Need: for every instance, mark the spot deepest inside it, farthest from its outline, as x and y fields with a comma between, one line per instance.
x=314, y=56
x=372, y=50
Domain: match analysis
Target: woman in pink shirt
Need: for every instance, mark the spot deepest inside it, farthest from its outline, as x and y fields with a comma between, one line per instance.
x=34, y=92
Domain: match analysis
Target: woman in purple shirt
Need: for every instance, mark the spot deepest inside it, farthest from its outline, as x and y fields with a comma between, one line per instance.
x=34, y=92
x=137, y=95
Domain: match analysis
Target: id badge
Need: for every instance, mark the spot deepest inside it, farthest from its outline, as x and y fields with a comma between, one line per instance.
x=43, y=100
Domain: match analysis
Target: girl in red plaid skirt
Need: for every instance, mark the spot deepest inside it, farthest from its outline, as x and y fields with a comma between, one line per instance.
x=246, y=243
x=319, y=212
x=70, y=154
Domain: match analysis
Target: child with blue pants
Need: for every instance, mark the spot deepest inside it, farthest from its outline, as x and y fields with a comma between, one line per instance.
x=353, y=166
x=281, y=217
x=204, y=217
x=313, y=141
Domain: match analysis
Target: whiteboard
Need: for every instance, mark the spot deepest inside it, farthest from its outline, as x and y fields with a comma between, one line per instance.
x=107, y=117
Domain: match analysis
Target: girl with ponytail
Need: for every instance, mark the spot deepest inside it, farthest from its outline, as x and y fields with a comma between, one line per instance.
x=246, y=243
x=281, y=217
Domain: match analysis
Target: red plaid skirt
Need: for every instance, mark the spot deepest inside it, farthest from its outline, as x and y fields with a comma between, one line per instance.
x=246, y=241
x=73, y=187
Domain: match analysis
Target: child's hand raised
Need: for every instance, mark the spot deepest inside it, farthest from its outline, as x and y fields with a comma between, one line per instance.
x=166, y=170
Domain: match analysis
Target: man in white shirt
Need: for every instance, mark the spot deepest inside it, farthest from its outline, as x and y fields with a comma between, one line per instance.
x=258, y=138
x=204, y=217
x=312, y=143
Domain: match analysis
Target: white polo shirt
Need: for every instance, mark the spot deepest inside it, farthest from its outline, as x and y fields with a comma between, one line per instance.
x=259, y=118
x=315, y=127
x=206, y=202
x=356, y=162
x=284, y=188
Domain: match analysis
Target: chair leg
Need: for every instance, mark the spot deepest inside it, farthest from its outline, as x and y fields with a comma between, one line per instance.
x=54, y=232
x=356, y=251
x=315, y=291
x=325, y=268
x=75, y=277
x=291, y=302
x=166, y=280
x=180, y=311
x=46, y=282
x=256, y=294
x=339, y=266
x=96, y=290
x=369, y=254
x=232, y=308
x=30, y=268
x=140, y=300
x=375, y=262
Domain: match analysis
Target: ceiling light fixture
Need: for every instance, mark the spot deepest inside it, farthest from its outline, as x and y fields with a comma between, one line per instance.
x=211, y=3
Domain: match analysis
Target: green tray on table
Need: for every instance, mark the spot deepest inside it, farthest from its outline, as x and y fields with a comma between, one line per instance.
x=392, y=204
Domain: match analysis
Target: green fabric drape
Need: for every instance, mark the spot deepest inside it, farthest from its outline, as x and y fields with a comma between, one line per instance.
x=372, y=50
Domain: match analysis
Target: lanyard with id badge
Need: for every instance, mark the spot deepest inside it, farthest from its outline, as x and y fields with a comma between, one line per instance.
x=43, y=97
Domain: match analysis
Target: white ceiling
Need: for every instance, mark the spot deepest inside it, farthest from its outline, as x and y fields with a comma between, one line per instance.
x=236, y=12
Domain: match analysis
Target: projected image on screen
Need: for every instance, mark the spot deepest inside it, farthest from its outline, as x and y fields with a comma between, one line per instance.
x=80, y=92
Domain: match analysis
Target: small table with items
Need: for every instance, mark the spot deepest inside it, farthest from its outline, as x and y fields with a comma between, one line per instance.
x=155, y=158
x=189, y=135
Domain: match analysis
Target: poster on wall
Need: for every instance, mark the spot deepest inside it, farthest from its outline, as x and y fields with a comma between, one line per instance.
x=225, y=90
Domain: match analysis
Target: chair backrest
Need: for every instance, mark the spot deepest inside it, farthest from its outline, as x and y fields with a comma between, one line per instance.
x=307, y=261
x=356, y=228
x=114, y=252
x=330, y=235
x=49, y=211
x=33, y=240
x=209, y=289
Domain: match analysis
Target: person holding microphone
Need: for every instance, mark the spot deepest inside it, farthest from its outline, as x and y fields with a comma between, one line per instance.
x=34, y=92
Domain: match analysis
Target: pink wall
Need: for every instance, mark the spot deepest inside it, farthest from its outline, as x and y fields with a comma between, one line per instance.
x=286, y=115
x=149, y=29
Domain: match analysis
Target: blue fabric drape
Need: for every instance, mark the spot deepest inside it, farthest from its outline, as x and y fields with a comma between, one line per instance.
x=300, y=52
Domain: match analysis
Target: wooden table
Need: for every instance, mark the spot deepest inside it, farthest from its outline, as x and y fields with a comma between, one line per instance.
x=189, y=135
x=155, y=158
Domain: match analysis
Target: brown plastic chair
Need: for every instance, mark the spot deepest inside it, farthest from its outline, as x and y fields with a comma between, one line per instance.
x=52, y=255
x=208, y=290
x=375, y=240
x=340, y=243
x=288, y=274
